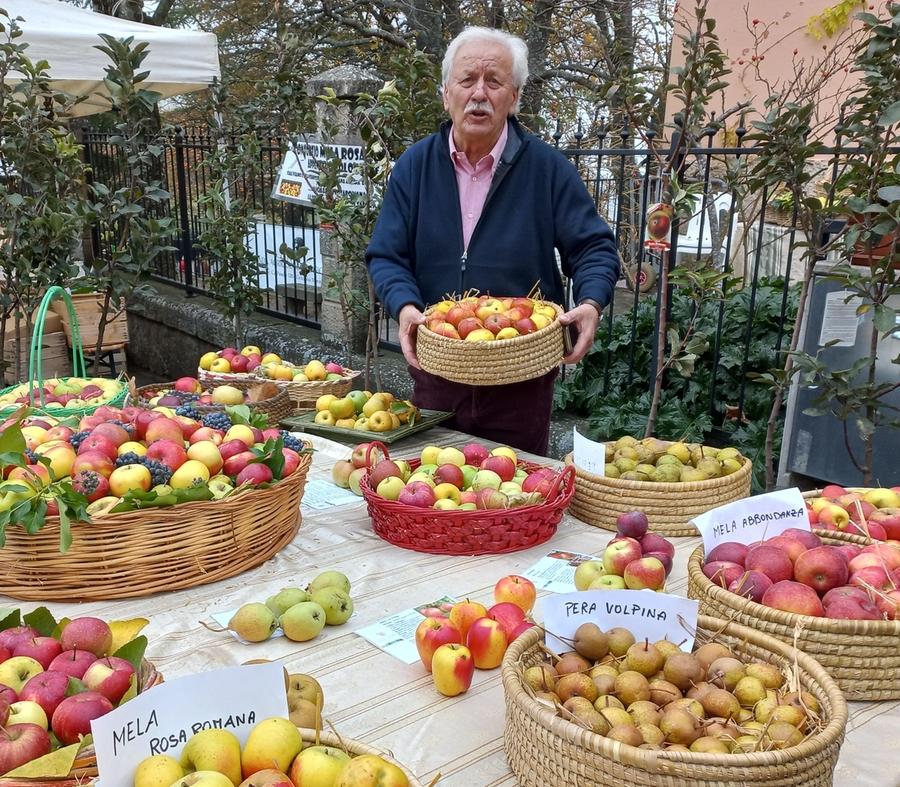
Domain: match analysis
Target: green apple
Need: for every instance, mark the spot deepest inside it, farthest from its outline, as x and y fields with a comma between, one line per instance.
x=318, y=766
x=417, y=476
x=429, y=455
x=213, y=750
x=587, y=572
x=272, y=743
x=337, y=604
x=27, y=712
x=486, y=479
x=330, y=579
x=405, y=469
x=220, y=486
x=608, y=582
x=426, y=469
x=18, y=670
x=446, y=504
x=303, y=621
x=390, y=488
x=157, y=770
x=510, y=488
x=286, y=598
x=469, y=473
x=358, y=398
x=468, y=507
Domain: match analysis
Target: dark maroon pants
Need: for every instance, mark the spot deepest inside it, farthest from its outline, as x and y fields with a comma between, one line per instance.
x=517, y=415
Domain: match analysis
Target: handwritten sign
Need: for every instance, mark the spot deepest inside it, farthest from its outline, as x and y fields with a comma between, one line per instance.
x=645, y=613
x=753, y=518
x=162, y=720
x=588, y=455
x=298, y=177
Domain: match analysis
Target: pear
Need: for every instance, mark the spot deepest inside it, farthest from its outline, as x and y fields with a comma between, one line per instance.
x=666, y=474
x=668, y=459
x=608, y=701
x=627, y=453
x=330, y=579
x=730, y=466
x=711, y=468
x=634, y=475
x=692, y=474
x=683, y=669
x=645, y=712
x=651, y=734
x=647, y=469
x=644, y=658
x=303, y=713
x=620, y=639
x=626, y=733
x=591, y=642
x=284, y=599
x=626, y=441
x=336, y=602
x=708, y=653
x=253, y=622
x=624, y=464
x=718, y=702
x=709, y=745
x=632, y=687
x=729, y=453
x=781, y=735
x=680, y=451
x=611, y=471
x=750, y=690
x=303, y=621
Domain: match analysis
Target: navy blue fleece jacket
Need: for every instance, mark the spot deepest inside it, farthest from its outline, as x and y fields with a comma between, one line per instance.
x=537, y=202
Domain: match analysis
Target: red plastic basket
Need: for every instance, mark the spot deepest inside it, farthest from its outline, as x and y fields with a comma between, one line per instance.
x=482, y=532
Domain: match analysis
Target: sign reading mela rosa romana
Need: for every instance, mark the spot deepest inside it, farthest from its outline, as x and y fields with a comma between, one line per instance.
x=298, y=177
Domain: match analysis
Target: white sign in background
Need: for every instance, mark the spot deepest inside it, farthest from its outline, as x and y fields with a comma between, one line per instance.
x=645, y=613
x=753, y=518
x=162, y=720
x=300, y=168
x=587, y=454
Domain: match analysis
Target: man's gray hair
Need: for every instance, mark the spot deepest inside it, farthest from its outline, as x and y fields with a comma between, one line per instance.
x=518, y=51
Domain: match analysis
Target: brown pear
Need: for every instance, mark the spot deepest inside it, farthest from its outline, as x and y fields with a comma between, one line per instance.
x=576, y=684
x=574, y=703
x=708, y=653
x=631, y=686
x=644, y=712
x=802, y=699
x=591, y=642
x=791, y=714
x=603, y=669
x=781, y=735
x=662, y=692
x=679, y=726
x=541, y=677
x=683, y=670
x=696, y=691
x=718, y=702
x=769, y=674
x=644, y=658
x=651, y=734
x=608, y=701
x=571, y=662
x=666, y=647
x=620, y=640
x=694, y=707
x=616, y=716
x=626, y=733
x=709, y=745
x=606, y=684
x=744, y=744
x=590, y=719
x=749, y=691
x=725, y=672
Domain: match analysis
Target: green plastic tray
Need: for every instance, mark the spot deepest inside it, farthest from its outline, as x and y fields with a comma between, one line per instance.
x=306, y=423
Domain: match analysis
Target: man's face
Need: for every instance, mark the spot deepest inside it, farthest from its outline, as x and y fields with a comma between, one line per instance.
x=480, y=92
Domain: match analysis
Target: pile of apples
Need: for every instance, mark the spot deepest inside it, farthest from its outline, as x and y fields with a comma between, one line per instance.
x=175, y=448
x=301, y=614
x=449, y=478
x=796, y=572
x=52, y=687
x=867, y=512
x=70, y=393
x=656, y=696
x=251, y=359
x=651, y=459
x=484, y=318
x=365, y=411
x=470, y=636
x=634, y=559
x=273, y=756
x=190, y=390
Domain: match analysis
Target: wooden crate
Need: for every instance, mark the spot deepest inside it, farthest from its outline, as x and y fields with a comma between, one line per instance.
x=87, y=309
x=55, y=354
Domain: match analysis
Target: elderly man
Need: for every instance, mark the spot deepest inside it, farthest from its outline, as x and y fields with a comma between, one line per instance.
x=482, y=204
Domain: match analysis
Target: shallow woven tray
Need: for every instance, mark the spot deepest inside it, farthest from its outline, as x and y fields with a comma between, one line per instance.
x=156, y=549
x=492, y=363
x=304, y=395
x=598, y=500
x=353, y=747
x=545, y=750
x=84, y=768
x=275, y=407
x=863, y=656
x=480, y=532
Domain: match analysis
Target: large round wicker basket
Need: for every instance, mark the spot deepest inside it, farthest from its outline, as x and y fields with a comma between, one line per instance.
x=155, y=549
x=352, y=748
x=492, y=363
x=545, y=750
x=84, y=769
x=276, y=407
x=670, y=507
x=863, y=656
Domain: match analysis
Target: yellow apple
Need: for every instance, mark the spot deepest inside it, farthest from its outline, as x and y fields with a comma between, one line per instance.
x=227, y=394
x=449, y=455
x=130, y=478
x=315, y=370
x=206, y=361
x=220, y=365
x=192, y=473
x=421, y=477
x=27, y=712
x=240, y=432
x=272, y=743
x=342, y=408
x=251, y=349
x=132, y=447
x=429, y=455
x=503, y=450
x=507, y=333
x=318, y=766
x=204, y=779
x=213, y=750
x=445, y=504
x=380, y=421
x=446, y=492
x=480, y=335
x=375, y=404
x=323, y=402
x=539, y=320
x=325, y=417
x=18, y=670
x=270, y=358
x=159, y=770
x=206, y=451
x=370, y=770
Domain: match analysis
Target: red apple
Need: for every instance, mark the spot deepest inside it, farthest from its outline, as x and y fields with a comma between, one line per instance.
x=516, y=590
x=457, y=314
x=633, y=524
x=47, y=689
x=889, y=519
x=362, y=457
x=645, y=573
x=234, y=465
x=168, y=452
x=872, y=576
x=96, y=461
x=619, y=553
x=662, y=557
x=99, y=443
x=790, y=546
x=822, y=569
x=525, y=325
x=888, y=554
x=833, y=491
x=722, y=572
x=771, y=561
x=433, y=632
x=142, y=420
x=503, y=466
x=110, y=677
x=845, y=591
x=10, y=638
x=115, y=433
x=653, y=542
x=508, y=614
x=164, y=429
x=73, y=663
x=9, y=695
x=232, y=448
x=806, y=537
x=852, y=609
x=519, y=630
x=752, y=585
x=730, y=552
x=21, y=743
x=291, y=461
x=205, y=433
x=72, y=718
x=87, y=633
x=889, y=604
x=450, y=474
x=489, y=499
x=793, y=597
x=487, y=642
x=42, y=649
x=254, y=474
x=468, y=325
x=417, y=494
x=475, y=454
x=849, y=551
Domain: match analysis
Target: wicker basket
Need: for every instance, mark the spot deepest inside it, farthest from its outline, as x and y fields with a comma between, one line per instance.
x=275, y=407
x=481, y=532
x=84, y=769
x=863, y=656
x=545, y=750
x=304, y=395
x=670, y=507
x=352, y=748
x=226, y=378
x=155, y=549
x=492, y=363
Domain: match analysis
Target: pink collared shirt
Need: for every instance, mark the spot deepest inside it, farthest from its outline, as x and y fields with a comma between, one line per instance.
x=474, y=182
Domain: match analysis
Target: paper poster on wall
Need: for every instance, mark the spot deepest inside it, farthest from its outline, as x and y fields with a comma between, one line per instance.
x=645, y=613
x=163, y=719
x=753, y=518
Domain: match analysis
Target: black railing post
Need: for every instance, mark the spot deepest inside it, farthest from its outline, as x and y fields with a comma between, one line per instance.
x=187, y=242
x=85, y=136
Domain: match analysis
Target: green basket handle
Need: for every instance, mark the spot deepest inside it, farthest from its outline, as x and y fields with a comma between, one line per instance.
x=36, y=361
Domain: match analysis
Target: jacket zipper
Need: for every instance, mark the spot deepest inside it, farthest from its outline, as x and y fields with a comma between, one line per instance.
x=462, y=271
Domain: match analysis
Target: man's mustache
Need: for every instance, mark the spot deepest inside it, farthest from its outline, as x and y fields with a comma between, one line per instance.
x=479, y=106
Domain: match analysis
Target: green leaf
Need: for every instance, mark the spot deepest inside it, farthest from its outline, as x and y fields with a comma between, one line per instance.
x=12, y=620
x=891, y=115
x=65, y=531
x=75, y=687
x=885, y=318
x=12, y=440
x=41, y=621
x=132, y=689
x=133, y=652
x=239, y=414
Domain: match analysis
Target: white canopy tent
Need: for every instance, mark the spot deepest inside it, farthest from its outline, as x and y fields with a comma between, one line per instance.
x=179, y=61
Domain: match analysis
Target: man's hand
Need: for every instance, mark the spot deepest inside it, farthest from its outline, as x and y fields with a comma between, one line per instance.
x=585, y=320
x=410, y=318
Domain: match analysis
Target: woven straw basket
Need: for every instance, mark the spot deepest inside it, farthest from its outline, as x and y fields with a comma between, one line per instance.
x=84, y=769
x=492, y=363
x=352, y=748
x=275, y=407
x=863, y=656
x=545, y=750
x=304, y=395
x=155, y=549
x=670, y=507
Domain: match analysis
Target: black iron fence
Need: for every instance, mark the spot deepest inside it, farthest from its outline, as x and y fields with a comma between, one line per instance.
x=752, y=236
